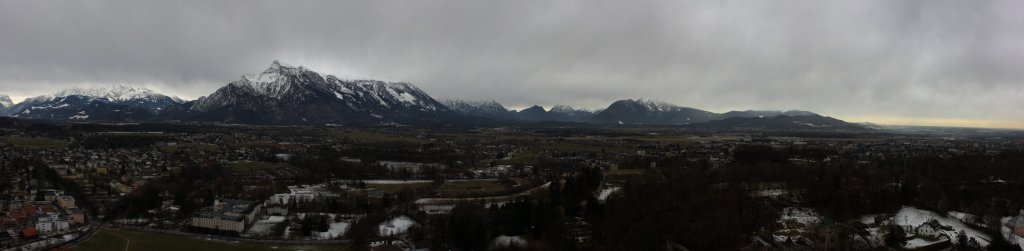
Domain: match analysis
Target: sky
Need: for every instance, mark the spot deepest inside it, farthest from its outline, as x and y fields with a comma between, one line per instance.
x=935, y=62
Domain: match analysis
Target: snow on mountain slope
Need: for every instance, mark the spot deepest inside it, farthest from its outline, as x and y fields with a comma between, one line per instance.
x=478, y=108
x=295, y=94
x=104, y=102
x=5, y=101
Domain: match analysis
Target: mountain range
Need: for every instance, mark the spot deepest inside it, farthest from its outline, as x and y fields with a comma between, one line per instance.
x=494, y=110
x=98, y=103
x=286, y=94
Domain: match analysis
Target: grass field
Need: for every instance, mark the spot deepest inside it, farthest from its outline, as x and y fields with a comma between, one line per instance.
x=115, y=240
x=34, y=142
x=461, y=187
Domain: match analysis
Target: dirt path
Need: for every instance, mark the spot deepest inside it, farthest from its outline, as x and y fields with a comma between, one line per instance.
x=127, y=242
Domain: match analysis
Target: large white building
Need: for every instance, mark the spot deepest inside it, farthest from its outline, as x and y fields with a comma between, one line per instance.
x=227, y=215
x=51, y=223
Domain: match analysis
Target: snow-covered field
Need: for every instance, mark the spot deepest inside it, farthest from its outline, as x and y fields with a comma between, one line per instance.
x=337, y=229
x=263, y=227
x=1008, y=234
x=607, y=192
x=768, y=193
x=918, y=242
x=796, y=221
x=915, y=217
x=397, y=225
x=805, y=216
x=508, y=241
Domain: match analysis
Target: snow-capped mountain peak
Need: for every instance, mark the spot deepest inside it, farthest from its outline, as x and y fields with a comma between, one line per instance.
x=284, y=93
x=117, y=93
x=5, y=101
x=102, y=102
x=567, y=110
x=656, y=105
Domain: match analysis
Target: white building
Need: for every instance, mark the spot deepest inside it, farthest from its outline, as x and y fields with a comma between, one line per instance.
x=227, y=215
x=51, y=223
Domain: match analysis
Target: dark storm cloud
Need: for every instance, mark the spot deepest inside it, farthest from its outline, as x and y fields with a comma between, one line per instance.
x=937, y=61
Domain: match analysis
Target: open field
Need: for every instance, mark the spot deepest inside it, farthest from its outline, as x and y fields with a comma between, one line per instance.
x=464, y=187
x=34, y=142
x=111, y=240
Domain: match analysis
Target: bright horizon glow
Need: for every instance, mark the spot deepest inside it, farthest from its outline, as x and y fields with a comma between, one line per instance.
x=950, y=122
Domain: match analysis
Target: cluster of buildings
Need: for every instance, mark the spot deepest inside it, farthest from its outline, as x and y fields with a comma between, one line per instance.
x=28, y=215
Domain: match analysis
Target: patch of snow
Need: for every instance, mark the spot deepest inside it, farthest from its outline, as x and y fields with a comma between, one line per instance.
x=916, y=243
x=769, y=193
x=607, y=192
x=407, y=98
x=508, y=241
x=395, y=226
x=805, y=216
x=391, y=182
x=337, y=229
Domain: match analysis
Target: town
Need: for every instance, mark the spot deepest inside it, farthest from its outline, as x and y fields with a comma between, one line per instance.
x=80, y=185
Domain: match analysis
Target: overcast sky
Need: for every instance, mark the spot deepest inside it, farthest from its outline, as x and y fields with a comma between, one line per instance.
x=897, y=62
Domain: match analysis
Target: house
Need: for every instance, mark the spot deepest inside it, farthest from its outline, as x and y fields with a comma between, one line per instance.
x=29, y=232
x=65, y=201
x=76, y=216
x=931, y=230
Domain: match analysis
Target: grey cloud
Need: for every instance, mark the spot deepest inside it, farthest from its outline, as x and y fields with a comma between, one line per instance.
x=926, y=59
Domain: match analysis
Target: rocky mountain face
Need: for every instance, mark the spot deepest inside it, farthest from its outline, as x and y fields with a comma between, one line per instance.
x=5, y=102
x=97, y=103
x=284, y=94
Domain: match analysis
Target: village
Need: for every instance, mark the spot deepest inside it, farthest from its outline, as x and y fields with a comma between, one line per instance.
x=389, y=189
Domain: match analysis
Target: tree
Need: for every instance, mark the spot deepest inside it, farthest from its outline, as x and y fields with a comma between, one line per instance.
x=961, y=240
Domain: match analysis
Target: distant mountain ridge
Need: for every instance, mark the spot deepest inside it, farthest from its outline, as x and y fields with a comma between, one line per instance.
x=781, y=122
x=119, y=102
x=287, y=94
x=479, y=108
x=651, y=112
